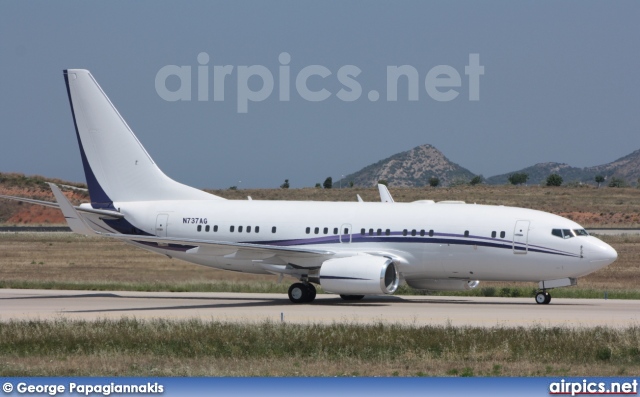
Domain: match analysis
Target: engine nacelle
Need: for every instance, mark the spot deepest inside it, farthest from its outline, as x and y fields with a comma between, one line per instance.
x=359, y=275
x=443, y=285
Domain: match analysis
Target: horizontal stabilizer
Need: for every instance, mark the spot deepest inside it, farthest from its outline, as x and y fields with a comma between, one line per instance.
x=31, y=201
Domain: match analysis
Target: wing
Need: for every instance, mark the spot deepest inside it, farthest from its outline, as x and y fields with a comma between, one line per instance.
x=269, y=254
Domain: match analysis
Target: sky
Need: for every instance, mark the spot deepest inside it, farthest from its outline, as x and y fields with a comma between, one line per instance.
x=250, y=93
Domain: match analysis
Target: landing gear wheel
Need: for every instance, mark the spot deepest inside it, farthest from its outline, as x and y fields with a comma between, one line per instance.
x=352, y=297
x=543, y=298
x=298, y=293
x=312, y=292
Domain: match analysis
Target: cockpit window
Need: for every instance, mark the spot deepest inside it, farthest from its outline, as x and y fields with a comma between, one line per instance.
x=563, y=233
x=580, y=232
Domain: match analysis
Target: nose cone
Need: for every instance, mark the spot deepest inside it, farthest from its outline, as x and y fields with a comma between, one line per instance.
x=600, y=253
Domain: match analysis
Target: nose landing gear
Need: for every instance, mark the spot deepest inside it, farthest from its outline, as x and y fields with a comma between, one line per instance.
x=543, y=297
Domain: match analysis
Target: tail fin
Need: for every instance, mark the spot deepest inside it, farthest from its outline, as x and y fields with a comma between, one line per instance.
x=116, y=165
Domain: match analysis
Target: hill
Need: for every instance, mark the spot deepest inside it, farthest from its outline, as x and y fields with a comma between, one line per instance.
x=412, y=168
x=627, y=168
x=35, y=187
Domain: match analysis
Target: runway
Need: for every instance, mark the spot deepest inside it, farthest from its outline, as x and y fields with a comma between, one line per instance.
x=251, y=308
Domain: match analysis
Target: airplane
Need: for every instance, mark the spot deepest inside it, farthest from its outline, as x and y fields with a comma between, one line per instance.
x=352, y=249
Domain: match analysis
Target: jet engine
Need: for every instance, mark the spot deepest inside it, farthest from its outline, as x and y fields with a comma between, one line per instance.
x=443, y=285
x=359, y=275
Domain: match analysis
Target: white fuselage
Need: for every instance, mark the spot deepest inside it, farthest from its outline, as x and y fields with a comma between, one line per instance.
x=451, y=241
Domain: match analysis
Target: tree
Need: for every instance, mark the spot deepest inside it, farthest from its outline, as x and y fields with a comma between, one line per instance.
x=599, y=179
x=617, y=182
x=434, y=181
x=233, y=188
x=554, y=180
x=476, y=180
x=285, y=185
x=328, y=183
x=318, y=185
x=383, y=182
x=518, y=178
x=350, y=183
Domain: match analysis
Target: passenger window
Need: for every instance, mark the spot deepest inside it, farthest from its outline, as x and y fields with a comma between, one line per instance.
x=239, y=229
x=413, y=232
x=493, y=234
x=308, y=230
x=273, y=229
x=363, y=232
x=404, y=232
x=206, y=228
x=316, y=230
x=257, y=229
x=335, y=230
x=379, y=232
x=199, y=228
x=215, y=228
x=326, y=230
x=248, y=229
x=231, y=228
x=502, y=234
x=422, y=233
x=370, y=232
x=431, y=233
x=466, y=233
x=387, y=232
x=346, y=230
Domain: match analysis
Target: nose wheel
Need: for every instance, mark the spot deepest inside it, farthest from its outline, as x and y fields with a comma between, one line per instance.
x=302, y=293
x=543, y=298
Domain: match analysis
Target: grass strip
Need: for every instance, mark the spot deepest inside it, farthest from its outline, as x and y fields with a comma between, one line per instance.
x=162, y=347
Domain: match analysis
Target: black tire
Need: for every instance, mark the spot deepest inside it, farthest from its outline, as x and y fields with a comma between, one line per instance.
x=311, y=290
x=352, y=297
x=543, y=298
x=298, y=293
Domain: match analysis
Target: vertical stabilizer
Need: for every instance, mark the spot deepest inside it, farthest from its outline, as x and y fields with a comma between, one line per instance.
x=116, y=165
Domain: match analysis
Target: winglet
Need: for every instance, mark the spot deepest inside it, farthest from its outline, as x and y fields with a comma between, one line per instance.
x=385, y=196
x=360, y=200
x=74, y=220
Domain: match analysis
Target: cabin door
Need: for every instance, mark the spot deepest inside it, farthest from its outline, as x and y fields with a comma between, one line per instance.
x=161, y=225
x=521, y=237
x=345, y=233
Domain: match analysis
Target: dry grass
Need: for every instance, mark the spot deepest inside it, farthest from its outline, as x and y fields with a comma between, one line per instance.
x=195, y=348
x=589, y=206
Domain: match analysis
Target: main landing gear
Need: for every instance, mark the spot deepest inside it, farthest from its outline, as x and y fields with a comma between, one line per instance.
x=543, y=297
x=302, y=293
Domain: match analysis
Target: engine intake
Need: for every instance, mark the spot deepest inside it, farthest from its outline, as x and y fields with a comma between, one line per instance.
x=359, y=275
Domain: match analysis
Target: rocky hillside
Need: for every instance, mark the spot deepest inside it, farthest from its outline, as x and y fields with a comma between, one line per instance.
x=35, y=187
x=412, y=168
x=627, y=168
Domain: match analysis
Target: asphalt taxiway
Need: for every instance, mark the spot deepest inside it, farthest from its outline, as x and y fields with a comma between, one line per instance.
x=21, y=304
